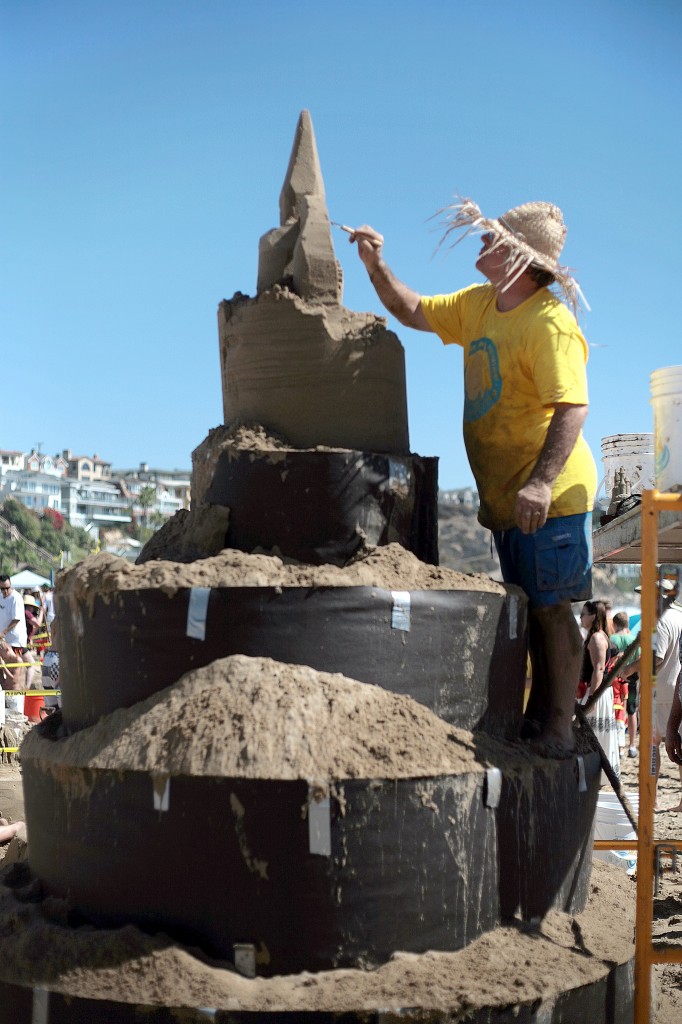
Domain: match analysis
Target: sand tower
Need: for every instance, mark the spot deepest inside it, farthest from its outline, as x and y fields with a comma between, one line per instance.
x=285, y=784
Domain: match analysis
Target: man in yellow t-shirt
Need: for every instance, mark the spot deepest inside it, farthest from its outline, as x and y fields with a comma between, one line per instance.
x=525, y=391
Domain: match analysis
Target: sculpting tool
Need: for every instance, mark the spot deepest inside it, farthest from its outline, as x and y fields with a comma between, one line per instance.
x=354, y=231
x=344, y=227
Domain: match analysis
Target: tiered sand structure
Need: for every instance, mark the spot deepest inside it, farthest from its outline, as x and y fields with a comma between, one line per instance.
x=285, y=784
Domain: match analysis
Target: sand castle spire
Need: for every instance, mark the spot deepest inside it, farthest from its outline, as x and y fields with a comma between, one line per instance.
x=300, y=252
x=304, y=174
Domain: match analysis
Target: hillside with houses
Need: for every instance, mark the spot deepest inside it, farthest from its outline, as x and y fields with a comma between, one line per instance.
x=89, y=492
x=55, y=509
x=76, y=503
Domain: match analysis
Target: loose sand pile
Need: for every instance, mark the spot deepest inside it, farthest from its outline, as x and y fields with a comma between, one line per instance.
x=259, y=719
x=390, y=568
x=187, y=536
x=501, y=968
x=251, y=437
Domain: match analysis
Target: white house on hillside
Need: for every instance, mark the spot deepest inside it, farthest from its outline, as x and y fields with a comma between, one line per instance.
x=171, y=489
x=94, y=504
x=37, y=491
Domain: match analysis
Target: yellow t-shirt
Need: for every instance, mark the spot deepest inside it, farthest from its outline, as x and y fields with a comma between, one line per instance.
x=516, y=366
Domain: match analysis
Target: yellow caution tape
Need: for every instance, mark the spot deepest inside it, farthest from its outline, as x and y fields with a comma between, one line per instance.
x=32, y=693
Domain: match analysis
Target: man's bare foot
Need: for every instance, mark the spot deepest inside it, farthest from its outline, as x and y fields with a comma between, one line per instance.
x=671, y=810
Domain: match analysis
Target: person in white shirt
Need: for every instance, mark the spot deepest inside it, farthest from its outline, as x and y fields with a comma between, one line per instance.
x=13, y=627
x=48, y=604
x=667, y=661
x=12, y=618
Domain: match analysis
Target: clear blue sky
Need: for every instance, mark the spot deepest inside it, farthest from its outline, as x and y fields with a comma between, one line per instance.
x=144, y=143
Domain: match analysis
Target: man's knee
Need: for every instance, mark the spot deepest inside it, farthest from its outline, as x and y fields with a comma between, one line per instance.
x=558, y=619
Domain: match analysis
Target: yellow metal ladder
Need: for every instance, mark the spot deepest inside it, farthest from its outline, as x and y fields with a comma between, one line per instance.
x=647, y=953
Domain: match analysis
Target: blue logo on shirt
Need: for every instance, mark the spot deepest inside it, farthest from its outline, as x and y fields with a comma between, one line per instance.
x=482, y=380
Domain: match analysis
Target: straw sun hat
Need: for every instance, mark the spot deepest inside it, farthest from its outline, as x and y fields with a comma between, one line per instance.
x=534, y=234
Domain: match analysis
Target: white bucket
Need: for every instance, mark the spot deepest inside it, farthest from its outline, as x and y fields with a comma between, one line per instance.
x=611, y=822
x=631, y=453
x=666, y=398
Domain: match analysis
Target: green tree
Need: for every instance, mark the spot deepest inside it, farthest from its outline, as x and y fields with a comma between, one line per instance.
x=24, y=519
x=49, y=537
x=146, y=499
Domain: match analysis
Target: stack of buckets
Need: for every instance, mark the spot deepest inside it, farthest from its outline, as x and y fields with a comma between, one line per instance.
x=634, y=455
x=649, y=460
x=666, y=399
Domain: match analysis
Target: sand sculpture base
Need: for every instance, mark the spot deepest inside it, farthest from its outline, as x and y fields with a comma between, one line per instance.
x=54, y=968
x=415, y=836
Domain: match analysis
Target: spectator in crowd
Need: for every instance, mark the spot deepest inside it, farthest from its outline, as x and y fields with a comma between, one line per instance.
x=51, y=672
x=601, y=715
x=13, y=624
x=609, y=616
x=31, y=610
x=673, y=734
x=620, y=640
x=48, y=604
x=11, y=678
x=40, y=610
x=12, y=618
x=667, y=662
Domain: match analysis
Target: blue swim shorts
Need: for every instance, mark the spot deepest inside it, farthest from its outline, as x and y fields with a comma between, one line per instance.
x=551, y=565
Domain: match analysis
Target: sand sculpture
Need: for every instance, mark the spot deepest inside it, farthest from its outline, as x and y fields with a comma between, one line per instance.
x=294, y=359
x=303, y=767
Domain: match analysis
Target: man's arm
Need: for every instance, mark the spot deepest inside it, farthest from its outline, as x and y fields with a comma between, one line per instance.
x=9, y=628
x=534, y=498
x=401, y=301
x=673, y=741
x=635, y=666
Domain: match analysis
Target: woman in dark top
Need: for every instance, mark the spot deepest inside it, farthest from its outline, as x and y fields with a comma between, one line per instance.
x=601, y=715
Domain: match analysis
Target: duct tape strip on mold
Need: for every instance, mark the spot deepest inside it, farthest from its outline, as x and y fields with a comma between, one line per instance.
x=582, y=781
x=493, y=787
x=319, y=822
x=400, y=616
x=197, y=610
x=513, y=616
x=41, y=1006
x=245, y=959
x=161, y=784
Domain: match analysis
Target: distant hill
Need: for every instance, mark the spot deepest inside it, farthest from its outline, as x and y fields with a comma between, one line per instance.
x=465, y=545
